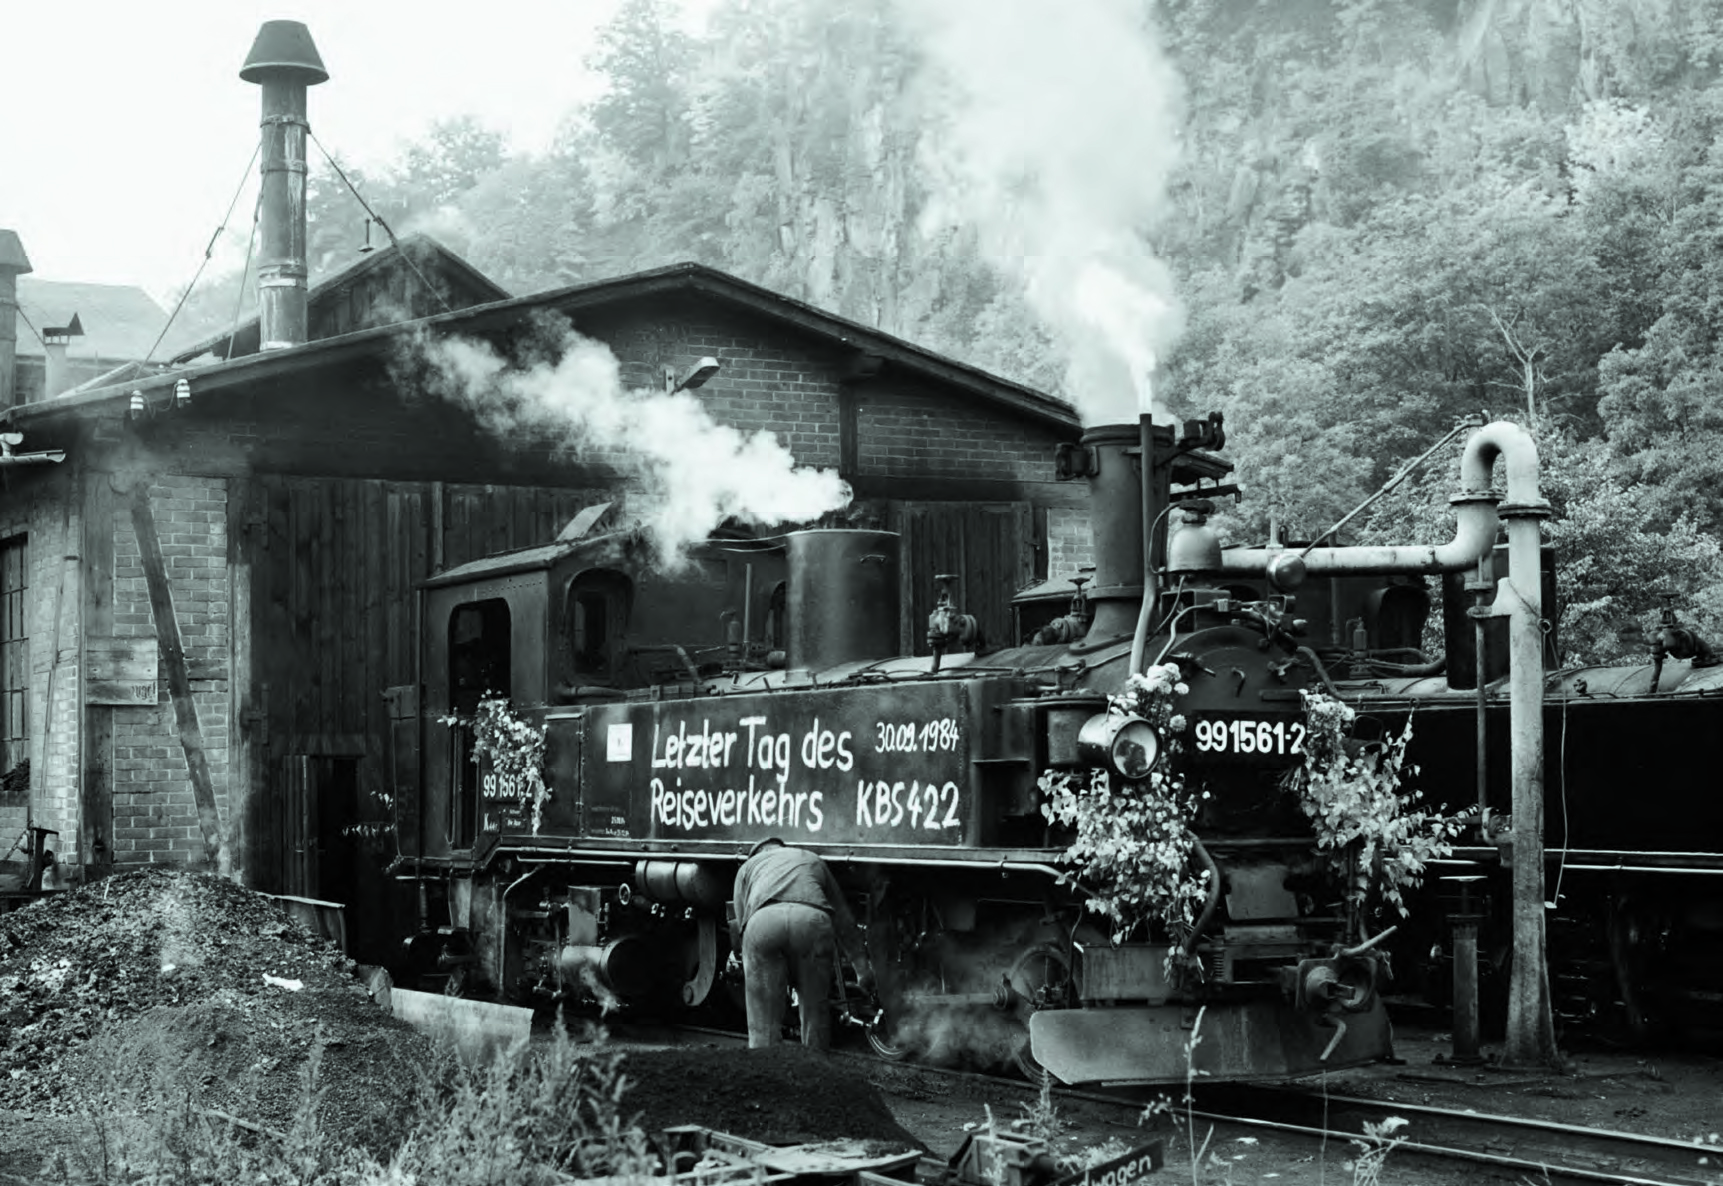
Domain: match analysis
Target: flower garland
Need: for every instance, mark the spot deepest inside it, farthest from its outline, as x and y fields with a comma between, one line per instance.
x=1133, y=844
x=1379, y=838
x=514, y=746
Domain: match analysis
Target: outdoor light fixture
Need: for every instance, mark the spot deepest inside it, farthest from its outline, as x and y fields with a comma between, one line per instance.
x=698, y=374
x=182, y=393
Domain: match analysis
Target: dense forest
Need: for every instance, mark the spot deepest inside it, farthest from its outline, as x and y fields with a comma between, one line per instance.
x=1346, y=224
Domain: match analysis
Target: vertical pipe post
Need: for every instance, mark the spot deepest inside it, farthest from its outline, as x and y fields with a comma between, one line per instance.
x=284, y=62
x=282, y=271
x=1464, y=926
x=1466, y=990
x=1531, y=1020
x=1482, y=584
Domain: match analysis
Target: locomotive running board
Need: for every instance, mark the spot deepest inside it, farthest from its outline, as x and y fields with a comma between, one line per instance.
x=1237, y=1041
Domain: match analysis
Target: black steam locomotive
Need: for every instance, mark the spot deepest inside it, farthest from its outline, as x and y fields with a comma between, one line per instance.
x=758, y=691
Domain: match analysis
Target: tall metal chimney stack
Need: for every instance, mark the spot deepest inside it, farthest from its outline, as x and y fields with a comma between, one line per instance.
x=12, y=262
x=284, y=61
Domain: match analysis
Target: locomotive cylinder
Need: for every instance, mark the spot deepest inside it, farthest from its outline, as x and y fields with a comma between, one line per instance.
x=842, y=601
x=623, y=966
x=680, y=881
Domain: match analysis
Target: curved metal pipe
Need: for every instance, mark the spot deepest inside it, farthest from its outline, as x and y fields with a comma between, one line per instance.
x=1474, y=504
x=1213, y=902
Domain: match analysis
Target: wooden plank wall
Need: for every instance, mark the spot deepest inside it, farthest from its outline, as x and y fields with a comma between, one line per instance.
x=484, y=520
x=97, y=808
x=335, y=563
x=991, y=548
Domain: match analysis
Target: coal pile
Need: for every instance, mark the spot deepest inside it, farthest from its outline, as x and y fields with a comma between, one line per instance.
x=159, y=983
x=781, y=1095
x=159, y=987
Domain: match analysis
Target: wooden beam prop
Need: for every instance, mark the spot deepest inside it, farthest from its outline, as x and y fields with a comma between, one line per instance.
x=179, y=677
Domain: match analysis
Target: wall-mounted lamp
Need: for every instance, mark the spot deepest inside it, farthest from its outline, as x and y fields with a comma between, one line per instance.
x=182, y=394
x=696, y=376
x=9, y=441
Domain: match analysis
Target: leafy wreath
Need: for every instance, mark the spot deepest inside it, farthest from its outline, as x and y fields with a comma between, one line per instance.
x=514, y=746
x=1133, y=843
x=1378, y=838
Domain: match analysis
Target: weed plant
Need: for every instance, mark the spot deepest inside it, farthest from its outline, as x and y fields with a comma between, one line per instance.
x=529, y=1116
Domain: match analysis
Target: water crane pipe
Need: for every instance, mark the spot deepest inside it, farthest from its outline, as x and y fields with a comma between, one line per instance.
x=1531, y=1035
x=1474, y=535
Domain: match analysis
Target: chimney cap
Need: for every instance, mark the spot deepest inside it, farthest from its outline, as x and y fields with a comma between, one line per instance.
x=284, y=47
x=12, y=257
x=75, y=329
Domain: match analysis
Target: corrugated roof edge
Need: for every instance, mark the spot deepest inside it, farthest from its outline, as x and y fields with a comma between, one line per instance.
x=215, y=377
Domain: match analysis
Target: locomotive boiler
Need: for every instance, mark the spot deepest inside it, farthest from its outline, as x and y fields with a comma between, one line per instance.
x=758, y=690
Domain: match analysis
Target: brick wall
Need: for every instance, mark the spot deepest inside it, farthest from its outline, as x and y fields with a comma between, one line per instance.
x=1069, y=544
x=155, y=811
x=904, y=432
x=765, y=382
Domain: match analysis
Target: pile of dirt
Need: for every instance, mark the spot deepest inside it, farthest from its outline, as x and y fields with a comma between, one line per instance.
x=782, y=1095
x=159, y=983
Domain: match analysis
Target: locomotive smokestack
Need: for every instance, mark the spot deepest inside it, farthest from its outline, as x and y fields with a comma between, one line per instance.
x=1113, y=455
x=284, y=61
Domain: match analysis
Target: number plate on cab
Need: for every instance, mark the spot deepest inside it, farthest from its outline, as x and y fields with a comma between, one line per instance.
x=1246, y=737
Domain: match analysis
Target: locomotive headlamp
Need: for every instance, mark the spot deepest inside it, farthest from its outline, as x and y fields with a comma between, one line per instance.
x=1123, y=745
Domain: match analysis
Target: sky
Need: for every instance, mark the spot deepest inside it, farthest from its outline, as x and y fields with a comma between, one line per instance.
x=125, y=127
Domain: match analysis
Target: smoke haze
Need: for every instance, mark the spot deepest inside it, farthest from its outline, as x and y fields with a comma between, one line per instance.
x=693, y=471
x=1057, y=130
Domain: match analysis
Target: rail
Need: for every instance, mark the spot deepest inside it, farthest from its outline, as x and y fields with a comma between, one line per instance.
x=1540, y=1150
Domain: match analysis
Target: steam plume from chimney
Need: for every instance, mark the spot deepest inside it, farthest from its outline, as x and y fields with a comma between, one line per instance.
x=1058, y=131
x=694, y=471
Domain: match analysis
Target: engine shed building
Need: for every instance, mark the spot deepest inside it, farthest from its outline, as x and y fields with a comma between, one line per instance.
x=208, y=597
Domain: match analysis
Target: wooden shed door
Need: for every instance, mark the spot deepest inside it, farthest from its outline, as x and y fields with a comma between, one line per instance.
x=296, y=824
x=318, y=803
x=989, y=545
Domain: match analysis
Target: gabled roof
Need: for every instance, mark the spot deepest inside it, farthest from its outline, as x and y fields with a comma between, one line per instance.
x=418, y=257
x=689, y=279
x=120, y=321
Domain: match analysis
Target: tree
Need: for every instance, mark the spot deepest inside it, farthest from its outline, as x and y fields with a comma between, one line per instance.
x=453, y=157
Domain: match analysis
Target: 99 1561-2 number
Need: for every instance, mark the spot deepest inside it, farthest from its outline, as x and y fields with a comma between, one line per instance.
x=1247, y=737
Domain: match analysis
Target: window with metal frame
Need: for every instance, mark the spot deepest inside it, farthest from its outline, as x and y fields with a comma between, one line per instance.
x=14, y=654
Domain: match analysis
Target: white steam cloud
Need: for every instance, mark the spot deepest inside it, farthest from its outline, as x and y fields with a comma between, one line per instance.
x=1058, y=132
x=693, y=471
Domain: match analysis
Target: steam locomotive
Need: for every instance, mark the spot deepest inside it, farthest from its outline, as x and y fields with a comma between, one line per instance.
x=758, y=691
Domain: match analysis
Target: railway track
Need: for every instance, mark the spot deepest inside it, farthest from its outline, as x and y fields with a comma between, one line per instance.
x=1520, y=1146
x=1515, y=1148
